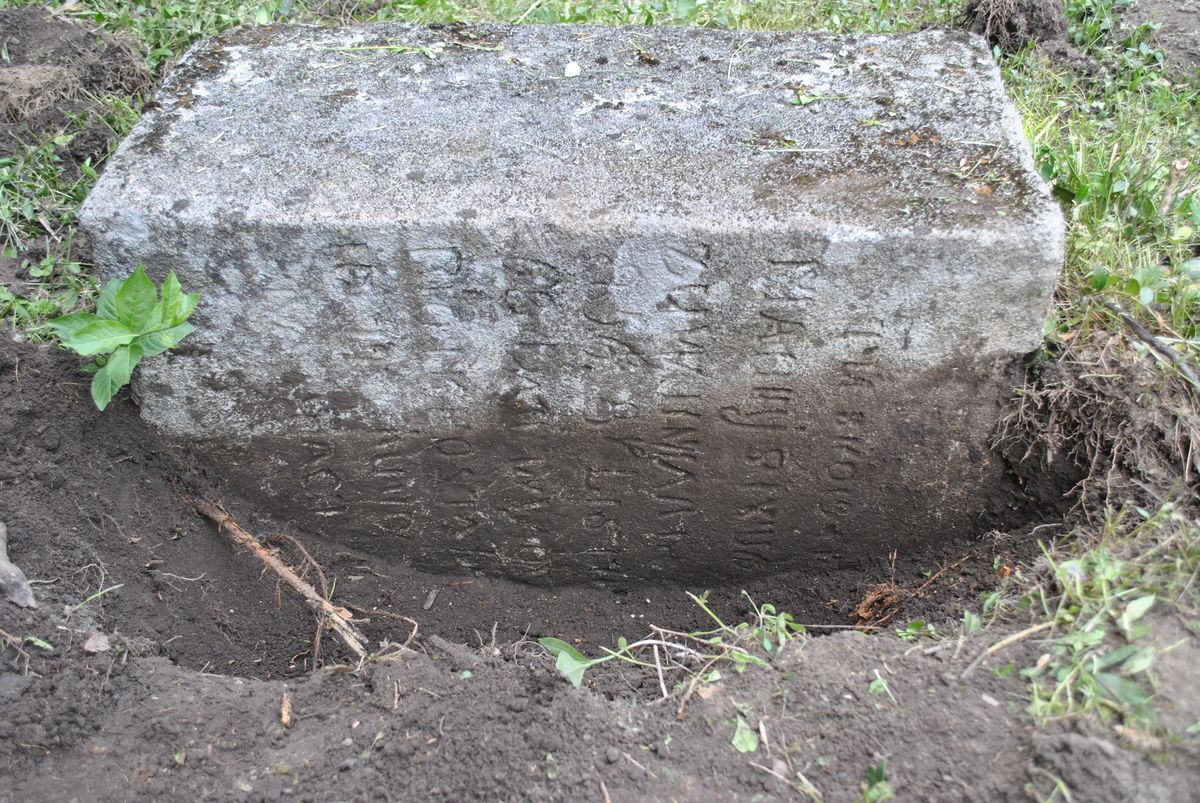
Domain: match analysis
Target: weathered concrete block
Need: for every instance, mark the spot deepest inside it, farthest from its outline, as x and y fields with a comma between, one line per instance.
x=573, y=303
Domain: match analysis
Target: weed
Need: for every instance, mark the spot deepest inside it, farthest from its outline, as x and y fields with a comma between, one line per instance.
x=880, y=686
x=38, y=203
x=370, y=749
x=693, y=654
x=39, y=643
x=131, y=322
x=745, y=738
x=1098, y=664
x=1113, y=152
x=917, y=628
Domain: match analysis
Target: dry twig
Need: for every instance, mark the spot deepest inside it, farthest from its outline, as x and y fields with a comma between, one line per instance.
x=1163, y=350
x=1005, y=642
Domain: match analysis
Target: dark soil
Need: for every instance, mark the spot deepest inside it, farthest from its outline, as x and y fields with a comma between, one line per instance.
x=56, y=72
x=184, y=703
x=1178, y=35
x=159, y=659
x=1013, y=24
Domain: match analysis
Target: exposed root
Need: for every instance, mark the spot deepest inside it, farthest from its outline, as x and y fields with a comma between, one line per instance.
x=883, y=601
x=1013, y=24
x=1115, y=418
x=284, y=538
x=337, y=619
x=399, y=617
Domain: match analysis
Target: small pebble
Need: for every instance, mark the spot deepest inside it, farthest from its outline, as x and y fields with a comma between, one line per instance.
x=612, y=755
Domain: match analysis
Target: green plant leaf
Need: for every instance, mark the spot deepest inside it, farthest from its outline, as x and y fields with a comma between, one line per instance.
x=106, y=304
x=156, y=343
x=571, y=667
x=745, y=738
x=176, y=306
x=1123, y=690
x=556, y=647
x=136, y=299
x=155, y=320
x=1115, y=657
x=103, y=388
x=115, y=374
x=1133, y=611
x=67, y=326
x=100, y=337
x=1140, y=661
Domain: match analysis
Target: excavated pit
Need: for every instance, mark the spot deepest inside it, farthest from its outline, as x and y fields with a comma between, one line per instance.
x=94, y=500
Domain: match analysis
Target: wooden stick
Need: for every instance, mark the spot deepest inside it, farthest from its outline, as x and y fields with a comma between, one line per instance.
x=335, y=618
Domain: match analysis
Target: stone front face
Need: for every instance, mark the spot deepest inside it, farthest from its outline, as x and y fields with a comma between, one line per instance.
x=718, y=304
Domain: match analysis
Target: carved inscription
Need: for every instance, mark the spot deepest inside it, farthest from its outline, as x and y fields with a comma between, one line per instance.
x=760, y=496
x=669, y=411
x=455, y=491
x=527, y=507
x=676, y=457
x=781, y=333
x=858, y=375
x=372, y=496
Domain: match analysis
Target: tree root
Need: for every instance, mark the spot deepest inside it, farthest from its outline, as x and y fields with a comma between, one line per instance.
x=336, y=619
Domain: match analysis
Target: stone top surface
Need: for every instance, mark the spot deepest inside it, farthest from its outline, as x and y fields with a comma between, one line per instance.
x=584, y=127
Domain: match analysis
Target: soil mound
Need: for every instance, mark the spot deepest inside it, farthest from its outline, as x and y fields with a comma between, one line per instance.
x=56, y=72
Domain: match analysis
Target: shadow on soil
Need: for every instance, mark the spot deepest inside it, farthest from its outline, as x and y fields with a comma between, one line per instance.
x=172, y=683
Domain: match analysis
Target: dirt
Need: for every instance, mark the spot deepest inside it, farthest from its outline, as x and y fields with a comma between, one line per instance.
x=1013, y=24
x=1178, y=34
x=158, y=662
x=56, y=79
x=54, y=72
x=185, y=702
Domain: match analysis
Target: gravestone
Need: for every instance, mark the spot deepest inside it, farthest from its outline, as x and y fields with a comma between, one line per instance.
x=592, y=304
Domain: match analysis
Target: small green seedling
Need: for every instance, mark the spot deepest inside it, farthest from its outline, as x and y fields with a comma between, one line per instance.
x=916, y=629
x=880, y=686
x=131, y=321
x=877, y=789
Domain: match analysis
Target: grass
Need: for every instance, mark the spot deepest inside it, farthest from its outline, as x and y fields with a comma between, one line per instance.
x=40, y=194
x=1115, y=145
x=1102, y=595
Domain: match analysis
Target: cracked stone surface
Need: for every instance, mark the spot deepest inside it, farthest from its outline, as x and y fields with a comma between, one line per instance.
x=579, y=304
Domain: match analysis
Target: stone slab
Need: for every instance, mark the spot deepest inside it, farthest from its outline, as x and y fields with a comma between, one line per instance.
x=592, y=304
